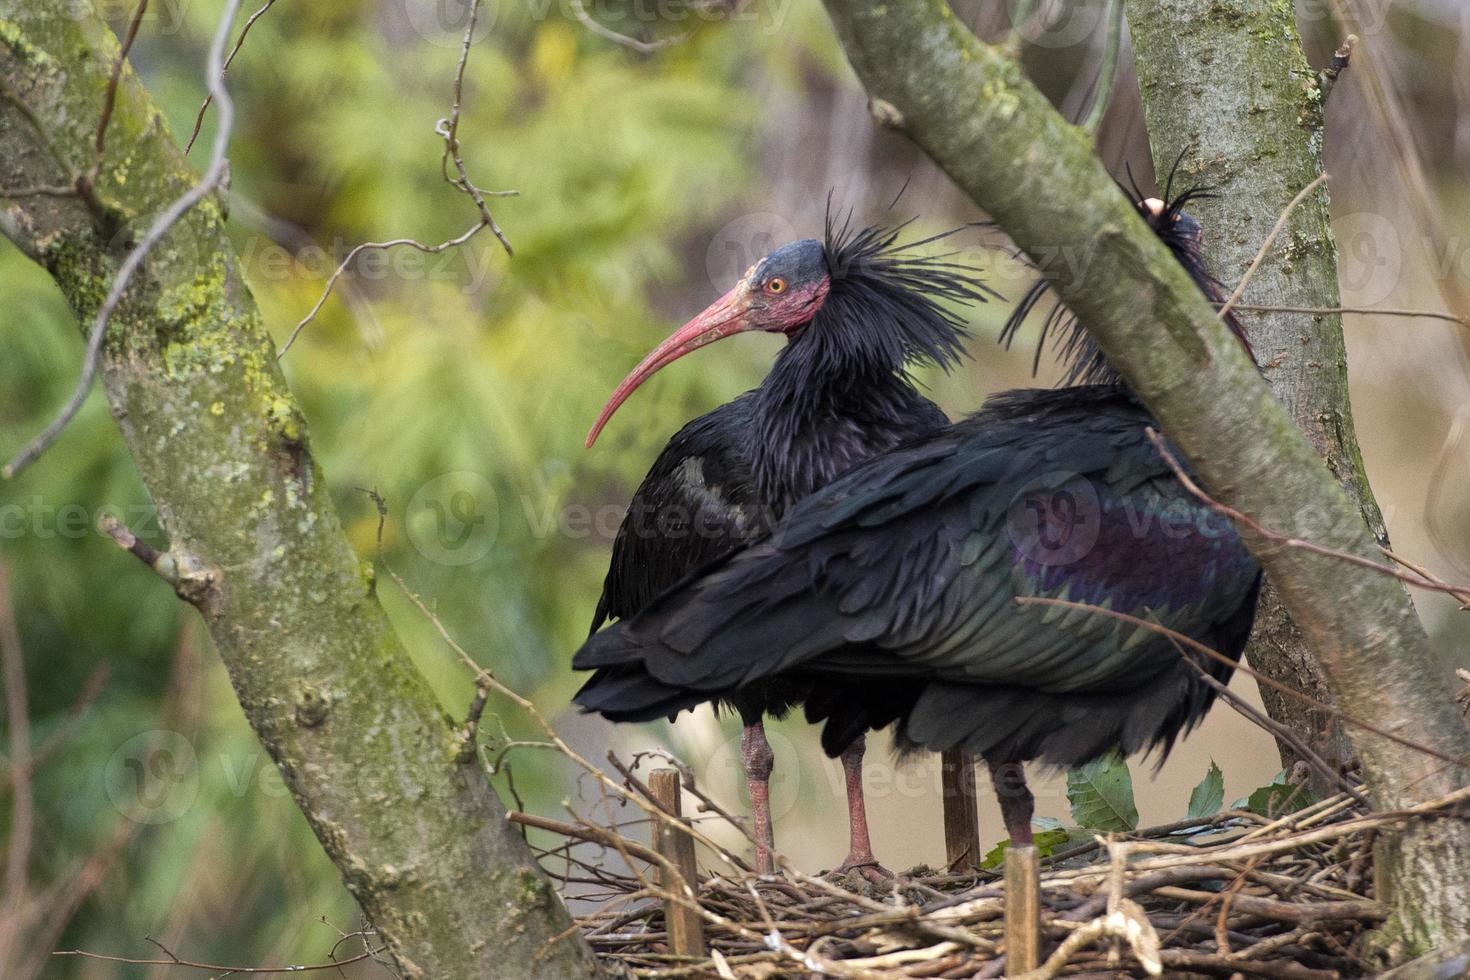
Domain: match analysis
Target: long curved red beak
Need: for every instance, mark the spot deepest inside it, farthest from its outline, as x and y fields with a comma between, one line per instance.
x=724, y=318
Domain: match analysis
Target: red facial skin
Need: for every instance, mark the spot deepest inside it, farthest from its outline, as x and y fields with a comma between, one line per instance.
x=771, y=305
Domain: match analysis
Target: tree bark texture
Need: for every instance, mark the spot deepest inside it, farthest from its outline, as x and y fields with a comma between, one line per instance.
x=390, y=786
x=969, y=106
x=1226, y=83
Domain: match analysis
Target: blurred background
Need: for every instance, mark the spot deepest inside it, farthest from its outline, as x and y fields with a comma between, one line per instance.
x=460, y=386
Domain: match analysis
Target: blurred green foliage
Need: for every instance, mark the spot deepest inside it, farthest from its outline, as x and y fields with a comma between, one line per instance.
x=418, y=367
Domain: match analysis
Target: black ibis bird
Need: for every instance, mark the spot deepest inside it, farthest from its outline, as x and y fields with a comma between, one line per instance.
x=890, y=595
x=859, y=310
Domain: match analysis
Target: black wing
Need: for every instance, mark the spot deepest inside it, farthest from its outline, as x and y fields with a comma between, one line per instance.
x=696, y=504
x=906, y=572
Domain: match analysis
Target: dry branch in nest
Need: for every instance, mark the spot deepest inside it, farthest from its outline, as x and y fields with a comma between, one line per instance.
x=1236, y=894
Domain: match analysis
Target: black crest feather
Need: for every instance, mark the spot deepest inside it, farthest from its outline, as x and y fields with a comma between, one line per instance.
x=894, y=299
x=1072, y=344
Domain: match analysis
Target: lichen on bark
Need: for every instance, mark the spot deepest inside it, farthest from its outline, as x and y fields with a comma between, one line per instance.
x=997, y=136
x=190, y=375
x=1228, y=92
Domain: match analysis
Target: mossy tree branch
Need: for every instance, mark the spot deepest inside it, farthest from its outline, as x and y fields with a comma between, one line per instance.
x=1225, y=82
x=392, y=791
x=970, y=108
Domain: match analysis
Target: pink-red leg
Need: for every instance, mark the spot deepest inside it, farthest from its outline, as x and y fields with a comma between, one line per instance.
x=1016, y=801
x=758, y=760
x=860, y=846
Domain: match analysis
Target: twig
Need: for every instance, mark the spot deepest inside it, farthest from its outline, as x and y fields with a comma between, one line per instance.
x=1355, y=310
x=642, y=47
x=1460, y=592
x=1277, y=730
x=1260, y=678
x=109, y=97
x=192, y=581
x=587, y=832
x=370, y=247
x=1387, y=108
x=1301, y=195
x=448, y=130
x=554, y=739
x=218, y=167
x=174, y=960
x=224, y=70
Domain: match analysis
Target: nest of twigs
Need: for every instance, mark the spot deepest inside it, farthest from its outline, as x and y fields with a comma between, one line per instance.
x=1237, y=894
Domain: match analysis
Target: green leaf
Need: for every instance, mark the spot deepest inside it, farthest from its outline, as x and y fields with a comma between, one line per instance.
x=1277, y=797
x=1208, y=796
x=1101, y=794
x=1047, y=843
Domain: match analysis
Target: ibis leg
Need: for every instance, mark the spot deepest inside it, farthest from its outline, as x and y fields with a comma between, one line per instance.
x=1016, y=801
x=860, y=846
x=758, y=759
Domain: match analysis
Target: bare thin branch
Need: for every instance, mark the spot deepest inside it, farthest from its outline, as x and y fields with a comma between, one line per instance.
x=357, y=250
x=1460, y=592
x=174, y=960
x=1301, y=196
x=224, y=70
x=213, y=175
x=1360, y=310
x=109, y=98
x=448, y=130
x=602, y=30
x=1260, y=678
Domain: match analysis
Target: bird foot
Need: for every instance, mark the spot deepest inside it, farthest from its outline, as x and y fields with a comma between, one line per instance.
x=864, y=866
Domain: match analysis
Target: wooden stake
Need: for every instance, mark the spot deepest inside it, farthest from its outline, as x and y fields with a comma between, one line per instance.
x=686, y=928
x=1023, y=910
x=961, y=819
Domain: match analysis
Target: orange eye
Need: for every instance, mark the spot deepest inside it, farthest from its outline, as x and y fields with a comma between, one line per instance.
x=777, y=285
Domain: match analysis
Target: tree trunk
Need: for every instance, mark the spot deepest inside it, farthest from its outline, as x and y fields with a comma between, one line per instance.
x=1225, y=83
x=392, y=790
x=971, y=109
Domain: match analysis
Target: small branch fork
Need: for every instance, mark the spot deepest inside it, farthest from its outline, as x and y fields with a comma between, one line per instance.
x=448, y=130
x=214, y=174
x=83, y=186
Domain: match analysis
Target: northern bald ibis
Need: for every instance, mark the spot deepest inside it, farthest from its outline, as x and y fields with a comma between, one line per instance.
x=859, y=310
x=889, y=596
